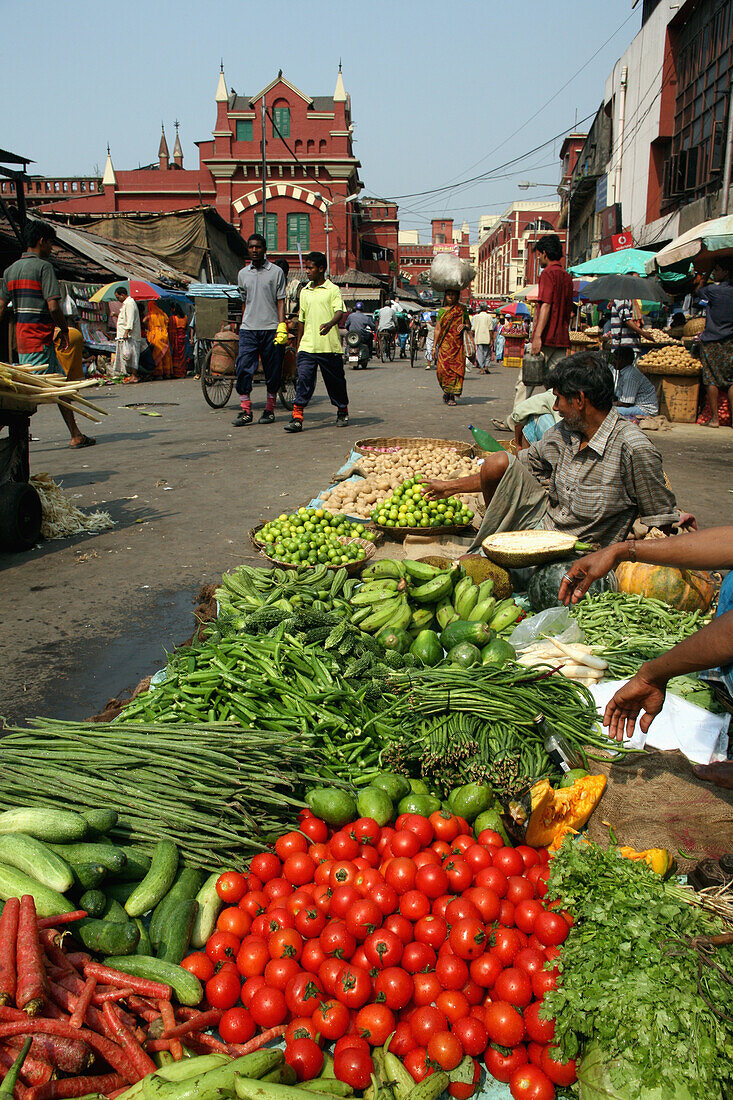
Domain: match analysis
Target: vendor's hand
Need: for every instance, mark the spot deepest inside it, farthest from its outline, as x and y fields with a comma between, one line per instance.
x=687, y=522
x=63, y=339
x=326, y=328
x=536, y=346
x=622, y=711
x=437, y=490
x=583, y=572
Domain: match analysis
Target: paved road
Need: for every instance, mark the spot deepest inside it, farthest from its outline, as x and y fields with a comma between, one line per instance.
x=84, y=618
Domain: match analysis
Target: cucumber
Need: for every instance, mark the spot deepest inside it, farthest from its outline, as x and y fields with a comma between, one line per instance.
x=110, y=857
x=179, y=1071
x=15, y=883
x=185, y=985
x=137, y=866
x=185, y=887
x=120, y=891
x=157, y=882
x=88, y=876
x=104, y=936
x=101, y=821
x=176, y=935
x=32, y=856
x=144, y=946
x=114, y=912
x=44, y=823
x=93, y=902
x=210, y=905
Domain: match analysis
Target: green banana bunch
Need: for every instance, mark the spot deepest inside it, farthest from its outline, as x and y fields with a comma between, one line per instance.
x=465, y=598
x=374, y=591
x=422, y=617
x=394, y=612
x=435, y=590
x=384, y=569
x=445, y=613
x=420, y=572
x=483, y=611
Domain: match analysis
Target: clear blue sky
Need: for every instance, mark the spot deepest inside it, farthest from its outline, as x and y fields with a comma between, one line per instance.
x=440, y=91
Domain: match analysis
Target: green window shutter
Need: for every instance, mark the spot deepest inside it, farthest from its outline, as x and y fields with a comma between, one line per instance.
x=281, y=119
x=244, y=129
x=270, y=233
x=299, y=232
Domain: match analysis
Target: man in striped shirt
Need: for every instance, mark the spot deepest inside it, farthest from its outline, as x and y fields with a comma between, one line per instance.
x=30, y=284
x=625, y=328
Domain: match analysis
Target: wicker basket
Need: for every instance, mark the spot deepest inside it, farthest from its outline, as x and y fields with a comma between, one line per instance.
x=464, y=449
x=678, y=395
x=352, y=567
x=685, y=365
x=397, y=533
x=694, y=326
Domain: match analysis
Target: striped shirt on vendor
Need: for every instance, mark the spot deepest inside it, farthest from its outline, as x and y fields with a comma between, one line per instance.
x=29, y=283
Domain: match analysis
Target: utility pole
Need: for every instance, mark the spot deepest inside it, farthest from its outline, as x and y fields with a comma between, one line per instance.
x=264, y=170
x=728, y=164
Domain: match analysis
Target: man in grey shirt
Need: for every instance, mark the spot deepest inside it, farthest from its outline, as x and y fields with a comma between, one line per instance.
x=263, y=332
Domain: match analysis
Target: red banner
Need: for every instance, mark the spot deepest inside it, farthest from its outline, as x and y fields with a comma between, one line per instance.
x=622, y=240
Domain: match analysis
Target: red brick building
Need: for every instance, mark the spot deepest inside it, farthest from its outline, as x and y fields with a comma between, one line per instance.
x=506, y=261
x=311, y=174
x=415, y=258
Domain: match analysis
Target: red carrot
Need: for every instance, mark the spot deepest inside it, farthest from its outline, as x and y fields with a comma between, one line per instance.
x=140, y=1060
x=72, y=982
x=111, y=1052
x=78, y=958
x=168, y=1017
x=66, y=1055
x=51, y=937
x=55, y=954
x=7, y=1012
x=142, y=1007
x=85, y=999
x=76, y=1086
x=62, y=918
x=140, y=985
x=31, y=989
x=8, y=939
x=200, y=1022
x=53, y=1012
x=259, y=1040
x=109, y=994
x=34, y=1072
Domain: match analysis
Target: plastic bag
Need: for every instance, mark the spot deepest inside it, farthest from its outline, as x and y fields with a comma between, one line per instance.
x=556, y=622
x=450, y=272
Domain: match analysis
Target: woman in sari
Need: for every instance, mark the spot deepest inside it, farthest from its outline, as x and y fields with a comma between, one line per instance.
x=156, y=333
x=177, y=325
x=449, y=354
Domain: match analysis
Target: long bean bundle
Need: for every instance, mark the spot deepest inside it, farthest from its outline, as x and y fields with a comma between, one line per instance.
x=218, y=791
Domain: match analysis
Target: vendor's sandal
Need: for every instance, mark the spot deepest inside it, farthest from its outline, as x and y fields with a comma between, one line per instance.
x=451, y=401
x=85, y=441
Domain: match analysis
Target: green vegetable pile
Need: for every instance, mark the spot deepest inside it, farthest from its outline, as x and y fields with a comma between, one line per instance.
x=312, y=535
x=407, y=507
x=630, y=629
x=637, y=984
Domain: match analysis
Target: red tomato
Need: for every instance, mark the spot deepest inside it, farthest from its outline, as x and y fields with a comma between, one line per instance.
x=353, y=1066
x=441, y=904
x=301, y=1027
x=306, y=1058
x=331, y=1019
x=267, y=924
x=413, y=904
x=313, y=956
x=541, y=1031
x=534, y=1050
x=486, y=969
x=401, y=874
x=266, y=865
x=323, y=873
x=431, y=880
x=453, y=1004
x=299, y=868
x=359, y=959
x=468, y=938
x=285, y=944
x=529, y=855
x=343, y=846
x=526, y=913
x=541, y=883
x=502, y=1066
x=462, y=843
x=322, y=895
x=427, y=988
x=506, y=945
x=289, y=843
x=477, y=857
x=529, y=960
x=396, y=986
x=490, y=839
x=200, y=964
x=366, y=880
x=369, y=855
x=385, y=896
x=460, y=875
x=495, y=879
x=441, y=849
x=544, y=981
x=301, y=899
x=277, y=889
x=515, y=986
x=427, y=855
x=452, y=972
x=445, y=1049
x=461, y=909
x=402, y=1041
x=460, y=1091
x=486, y=900
x=518, y=889
x=425, y=1021
x=279, y=972
x=254, y=903
x=249, y=988
x=310, y=922
x=363, y=918
x=315, y=829
x=401, y=927
x=354, y=987
x=560, y=1073
x=418, y=956
x=365, y=830
x=383, y=949
x=405, y=843
x=445, y=825
x=342, y=899
x=551, y=929
x=385, y=836
x=528, y=1082
x=416, y=1061
x=236, y=1026
x=351, y=1041
x=268, y=1007
x=343, y=873
x=222, y=991
x=504, y=1024
x=231, y=887
x=329, y=973
x=472, y=1034
x=302, y=993
x=431, y=930
x=416, y=823
x=336, y=938
x=222, y=945
x=375, y=1022
x=473, y=992
x=509, y=861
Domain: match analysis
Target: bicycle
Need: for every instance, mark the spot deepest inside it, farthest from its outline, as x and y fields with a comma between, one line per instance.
x=414, y=340
x=218, y=388
x=386, y=346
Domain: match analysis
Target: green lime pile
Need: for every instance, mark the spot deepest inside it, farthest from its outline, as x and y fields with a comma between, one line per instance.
x=407, y=507
x=311, y=536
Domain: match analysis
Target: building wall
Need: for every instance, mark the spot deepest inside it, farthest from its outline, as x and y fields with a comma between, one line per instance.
x=503, y=260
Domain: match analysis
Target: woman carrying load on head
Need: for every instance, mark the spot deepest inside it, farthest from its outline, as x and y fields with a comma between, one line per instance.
x=449, y=353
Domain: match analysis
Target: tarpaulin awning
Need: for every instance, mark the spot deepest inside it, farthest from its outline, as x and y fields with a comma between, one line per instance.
x=702, y=244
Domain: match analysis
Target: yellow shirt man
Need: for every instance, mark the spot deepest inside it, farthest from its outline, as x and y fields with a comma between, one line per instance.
x=318, y=304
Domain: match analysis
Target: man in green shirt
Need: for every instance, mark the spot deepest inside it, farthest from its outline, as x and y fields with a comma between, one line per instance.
x=319, y=343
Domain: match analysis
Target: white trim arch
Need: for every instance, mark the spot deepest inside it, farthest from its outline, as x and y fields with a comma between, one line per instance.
x=279, y=190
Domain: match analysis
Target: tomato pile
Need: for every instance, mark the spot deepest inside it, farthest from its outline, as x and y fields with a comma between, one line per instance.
x=421, y=930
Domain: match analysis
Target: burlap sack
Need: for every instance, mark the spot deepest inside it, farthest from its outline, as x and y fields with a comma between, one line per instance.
x=654, y=800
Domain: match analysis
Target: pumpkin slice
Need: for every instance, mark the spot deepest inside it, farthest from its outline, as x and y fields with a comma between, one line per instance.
x=553, y=810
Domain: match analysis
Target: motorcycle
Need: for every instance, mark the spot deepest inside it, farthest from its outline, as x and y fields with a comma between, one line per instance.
x=357, y=351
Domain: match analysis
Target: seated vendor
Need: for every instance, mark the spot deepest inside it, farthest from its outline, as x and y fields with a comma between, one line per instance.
x=634, y=393
x=590, y=476
x=531, y=418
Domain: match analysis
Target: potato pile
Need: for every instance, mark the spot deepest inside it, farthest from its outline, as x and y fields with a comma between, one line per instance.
x=669, y=360
x=656, y=336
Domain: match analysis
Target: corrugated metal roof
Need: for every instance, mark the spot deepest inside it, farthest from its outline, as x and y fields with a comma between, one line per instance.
x=126, y=262
x=212, y=290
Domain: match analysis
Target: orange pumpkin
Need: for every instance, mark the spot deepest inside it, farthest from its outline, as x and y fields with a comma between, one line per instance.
x=684, y=589
x=553, y=810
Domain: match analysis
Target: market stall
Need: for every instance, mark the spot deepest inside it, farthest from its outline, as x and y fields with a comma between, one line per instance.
x=354, y=840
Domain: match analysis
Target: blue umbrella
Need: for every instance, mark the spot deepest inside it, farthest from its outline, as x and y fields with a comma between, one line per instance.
x=516, y=309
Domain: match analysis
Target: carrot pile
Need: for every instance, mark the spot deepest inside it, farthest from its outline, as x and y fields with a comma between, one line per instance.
x=92, y=1028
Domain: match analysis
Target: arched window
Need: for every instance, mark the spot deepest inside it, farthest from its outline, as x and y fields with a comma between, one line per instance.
x=281, y=119
x=311, y=147
x=298, y=146
x=322, y=145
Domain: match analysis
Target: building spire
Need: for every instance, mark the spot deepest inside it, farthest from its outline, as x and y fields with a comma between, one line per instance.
x=177, y=148
x=163, y=147
x=339, y=96
x=109, y=179
x=222, y=95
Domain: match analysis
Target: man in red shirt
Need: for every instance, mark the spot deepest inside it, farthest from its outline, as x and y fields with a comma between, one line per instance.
x=551, y=332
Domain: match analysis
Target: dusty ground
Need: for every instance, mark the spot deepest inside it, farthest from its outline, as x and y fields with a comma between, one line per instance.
x=84, y=618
